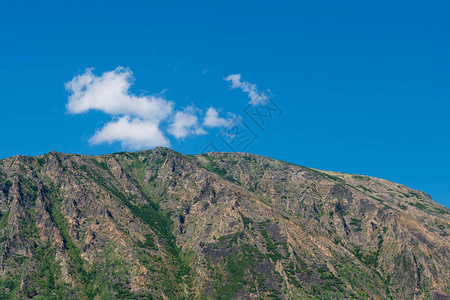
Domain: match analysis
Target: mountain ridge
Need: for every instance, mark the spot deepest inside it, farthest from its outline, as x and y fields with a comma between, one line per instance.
x=214, y=225
x=212, y=152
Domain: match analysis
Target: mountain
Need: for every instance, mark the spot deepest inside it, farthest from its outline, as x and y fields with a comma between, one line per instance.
x=162, y=225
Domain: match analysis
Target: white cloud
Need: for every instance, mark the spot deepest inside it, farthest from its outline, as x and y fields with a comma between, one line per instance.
x=185, y=123
x=132, y=133
x=212, y=119
x=247, y=87
x=139, y=117
x=137, y=120
x=110, y=94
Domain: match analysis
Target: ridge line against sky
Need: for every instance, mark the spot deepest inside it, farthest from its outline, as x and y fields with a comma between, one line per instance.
x=363, y=87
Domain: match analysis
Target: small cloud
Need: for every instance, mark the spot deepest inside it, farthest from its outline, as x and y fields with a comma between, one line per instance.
x=110, y=94
x=212, y=119
x=137, y=126
x=132, y=133
x=185, y=123
x=247, y=87
x=204, y=71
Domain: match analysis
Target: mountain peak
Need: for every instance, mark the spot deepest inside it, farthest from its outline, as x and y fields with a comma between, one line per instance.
x=160, y=224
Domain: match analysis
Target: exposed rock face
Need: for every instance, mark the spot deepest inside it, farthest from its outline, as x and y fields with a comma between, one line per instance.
x=220, y=225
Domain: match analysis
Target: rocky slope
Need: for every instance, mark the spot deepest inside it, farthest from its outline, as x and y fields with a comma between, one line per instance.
x=161, y=225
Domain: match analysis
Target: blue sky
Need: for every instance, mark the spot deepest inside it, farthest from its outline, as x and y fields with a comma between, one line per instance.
x=362, y=88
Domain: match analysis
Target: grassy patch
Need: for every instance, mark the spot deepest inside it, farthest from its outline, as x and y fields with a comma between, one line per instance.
x=239, y=269
x=356, y=223
x=418, y=205
x=359, y=177
x=213, y=167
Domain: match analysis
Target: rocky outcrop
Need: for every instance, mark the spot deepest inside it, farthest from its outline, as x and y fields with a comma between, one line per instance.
x=219, y=225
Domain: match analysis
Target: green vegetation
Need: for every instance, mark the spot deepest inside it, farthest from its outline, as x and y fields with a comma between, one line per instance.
x=406, y=264
x=441, y=211
x=8, y=184
x=162, y=225
x=359, y=177
x=149, y=243
x=9, y=286
x=149, y=213
x=418, y=205
x=356, y=223
x=76, y=265
x=30, y=188
x=45, y=275
x=240, y=273
x=271, y=243
x=364, y=188
x=367, y=257
x=377, y=199
x=327, y=176
x=101, y=164
x=212, y=166
x=4, y=220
